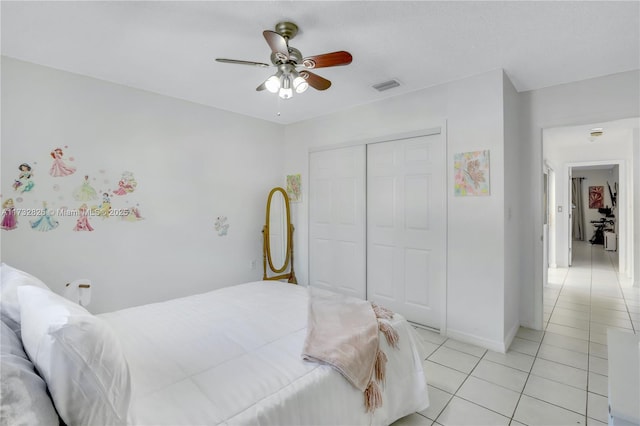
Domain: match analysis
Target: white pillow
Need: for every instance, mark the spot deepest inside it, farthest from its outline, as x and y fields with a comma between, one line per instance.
x=78, y=356
x=10, y=279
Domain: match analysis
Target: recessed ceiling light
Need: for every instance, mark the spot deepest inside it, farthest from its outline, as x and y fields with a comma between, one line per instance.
x=596, y=131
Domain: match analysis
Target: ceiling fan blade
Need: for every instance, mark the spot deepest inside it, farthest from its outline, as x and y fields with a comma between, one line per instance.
x=278, y=44
x=239, y=62
x=328, y=60
x=315, y=81
x=263, y=86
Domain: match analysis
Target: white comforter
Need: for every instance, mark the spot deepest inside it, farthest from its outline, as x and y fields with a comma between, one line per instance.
x=233, y=356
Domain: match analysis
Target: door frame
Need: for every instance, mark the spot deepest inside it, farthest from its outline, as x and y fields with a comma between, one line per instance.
x=548, y=221
x=570, y=216
x=536, y=321
x=432, y=128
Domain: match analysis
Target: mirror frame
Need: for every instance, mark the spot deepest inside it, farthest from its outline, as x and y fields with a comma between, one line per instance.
x=267, y=261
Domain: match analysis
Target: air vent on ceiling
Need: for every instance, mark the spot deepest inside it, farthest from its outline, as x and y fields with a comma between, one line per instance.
x=386, y=85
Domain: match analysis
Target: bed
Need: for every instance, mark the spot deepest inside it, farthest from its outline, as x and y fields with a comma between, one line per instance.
x=230, y=356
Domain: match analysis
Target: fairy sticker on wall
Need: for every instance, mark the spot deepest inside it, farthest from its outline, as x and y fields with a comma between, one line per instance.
x=221, y=226
x=104, y=209
x=126, y=185
x=82, y=224
x=45, y=222
x=59, y=168
x=24, y=183
x=85, y=192
x=132, y=214
x=9, y=218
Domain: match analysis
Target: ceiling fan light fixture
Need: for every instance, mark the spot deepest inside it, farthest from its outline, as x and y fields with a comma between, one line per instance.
x=286, y=91
x=286, y=58
x=273, y=83
x=299, y=82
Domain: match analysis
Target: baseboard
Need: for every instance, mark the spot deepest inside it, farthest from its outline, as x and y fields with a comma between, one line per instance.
x=510, y=336
x=527, y=324
x=472, y=339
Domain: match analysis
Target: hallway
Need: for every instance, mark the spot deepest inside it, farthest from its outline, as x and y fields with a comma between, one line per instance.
x=558, y=376
x=591, y=286
x=580, y=303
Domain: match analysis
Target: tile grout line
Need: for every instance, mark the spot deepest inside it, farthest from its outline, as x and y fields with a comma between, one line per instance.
x=427, y=359
x=553, y=309
x=462, y=384
x=544, y=331
x=527, y=379
x=586, y=402
x=626, y=305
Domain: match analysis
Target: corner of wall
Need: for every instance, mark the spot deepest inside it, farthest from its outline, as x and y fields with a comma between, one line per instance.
x=514, y=190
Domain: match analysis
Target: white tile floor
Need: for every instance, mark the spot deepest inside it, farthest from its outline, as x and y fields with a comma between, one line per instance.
x=553, y=377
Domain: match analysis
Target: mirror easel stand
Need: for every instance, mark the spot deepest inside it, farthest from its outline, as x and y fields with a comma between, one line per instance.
x=291, y=275
x=276, y=196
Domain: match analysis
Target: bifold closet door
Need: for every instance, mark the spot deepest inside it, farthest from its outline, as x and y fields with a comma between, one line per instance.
x=406, y=227
x=337, y=251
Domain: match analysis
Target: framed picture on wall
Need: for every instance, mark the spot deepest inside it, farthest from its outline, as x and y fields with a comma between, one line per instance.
x=471, y=173
x=596, y=197
x=294, y=188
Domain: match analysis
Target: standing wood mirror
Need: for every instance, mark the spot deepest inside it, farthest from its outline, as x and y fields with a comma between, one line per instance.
x=277, y=235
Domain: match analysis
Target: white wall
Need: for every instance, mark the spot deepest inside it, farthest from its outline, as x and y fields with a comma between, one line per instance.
x=192, y=163
x=595, y=100
x=634, y=225
x=473, y=110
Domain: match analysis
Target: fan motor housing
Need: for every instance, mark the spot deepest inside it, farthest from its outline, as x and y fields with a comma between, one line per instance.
x=287, y=29
x=294, y=56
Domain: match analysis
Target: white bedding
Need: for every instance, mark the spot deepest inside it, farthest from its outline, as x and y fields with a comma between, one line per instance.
x=233, y=356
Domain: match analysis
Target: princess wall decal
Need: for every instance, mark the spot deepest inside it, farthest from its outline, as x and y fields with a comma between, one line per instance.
x=59, y=168
x=126, y=185
x=132, y=214
x=104, y=209
x=9, y=218
x=82, y=224
x=45, y=222
x=85, y=192
x=24, y=183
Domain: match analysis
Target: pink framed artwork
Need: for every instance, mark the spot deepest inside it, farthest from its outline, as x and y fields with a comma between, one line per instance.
x=596, y=197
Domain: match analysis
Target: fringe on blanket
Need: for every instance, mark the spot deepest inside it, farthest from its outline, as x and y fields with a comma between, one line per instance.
x=373, y=394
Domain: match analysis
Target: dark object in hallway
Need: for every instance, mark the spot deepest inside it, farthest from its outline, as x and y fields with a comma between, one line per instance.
x=605, y=211
x=598, y=235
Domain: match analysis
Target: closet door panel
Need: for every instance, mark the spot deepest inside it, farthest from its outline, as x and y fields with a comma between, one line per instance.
x=417, y=266
x=337, y=251
x=417, y=194
x=321, y=268
x=406, y=226
x=380, y=273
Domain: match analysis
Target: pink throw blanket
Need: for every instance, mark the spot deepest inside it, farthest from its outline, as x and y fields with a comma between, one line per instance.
x=343, y=333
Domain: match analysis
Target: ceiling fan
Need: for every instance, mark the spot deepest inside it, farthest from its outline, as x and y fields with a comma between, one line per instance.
x=286, y=59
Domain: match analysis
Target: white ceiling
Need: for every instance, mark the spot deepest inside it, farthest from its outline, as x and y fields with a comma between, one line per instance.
x=169, y=47
x=580, y=136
